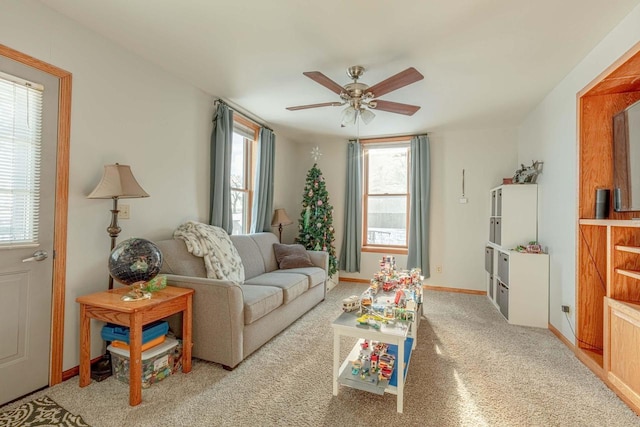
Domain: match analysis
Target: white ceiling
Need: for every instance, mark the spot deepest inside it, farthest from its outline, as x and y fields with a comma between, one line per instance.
x=486, y=63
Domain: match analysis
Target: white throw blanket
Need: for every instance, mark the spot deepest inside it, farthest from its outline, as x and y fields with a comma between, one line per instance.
x=213, y=244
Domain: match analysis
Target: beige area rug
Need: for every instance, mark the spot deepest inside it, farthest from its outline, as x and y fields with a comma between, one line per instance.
x=470, y=368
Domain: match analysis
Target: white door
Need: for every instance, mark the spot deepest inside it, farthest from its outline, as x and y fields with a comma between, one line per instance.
x=26, y=277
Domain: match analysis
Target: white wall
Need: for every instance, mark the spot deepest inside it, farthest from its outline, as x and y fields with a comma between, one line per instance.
x=549, y=134
x=459, y=232
x=123, y=110
x=126, y=110
x=287, y=185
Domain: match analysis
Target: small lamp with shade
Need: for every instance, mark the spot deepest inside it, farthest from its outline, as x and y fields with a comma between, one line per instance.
x=280, y=219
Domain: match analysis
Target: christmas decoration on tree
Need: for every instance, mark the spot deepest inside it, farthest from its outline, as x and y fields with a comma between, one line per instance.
x=316, y=219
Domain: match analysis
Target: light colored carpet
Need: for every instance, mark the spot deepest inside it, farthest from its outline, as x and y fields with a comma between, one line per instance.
x=470, y=368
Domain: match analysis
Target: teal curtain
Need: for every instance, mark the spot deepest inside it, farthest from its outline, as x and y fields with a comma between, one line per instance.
x=263, y=186
x=221, y=141
x=418, y=255
x=352, y=239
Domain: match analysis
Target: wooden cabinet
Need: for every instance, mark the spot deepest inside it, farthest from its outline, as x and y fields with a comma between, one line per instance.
x=622, y=349
x=610, y=279
x=517, y=283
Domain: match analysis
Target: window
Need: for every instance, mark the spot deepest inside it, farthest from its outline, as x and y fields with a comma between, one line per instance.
x=20, y=144
x=245, y=136
x=386, y=195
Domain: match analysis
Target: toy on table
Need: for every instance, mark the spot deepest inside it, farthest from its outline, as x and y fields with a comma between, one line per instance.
x=351, y=303
x=372, y=320
x=373, y=363
x=402, y=304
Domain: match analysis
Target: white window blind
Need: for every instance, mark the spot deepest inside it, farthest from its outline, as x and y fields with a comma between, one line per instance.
x=20, y=145
x=244, y=131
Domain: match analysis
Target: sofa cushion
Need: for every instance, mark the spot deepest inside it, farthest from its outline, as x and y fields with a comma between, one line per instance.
x=176, y=259
x=265, y=243
x=295, y=261
x=316, y=275
x=260, y=301
x=292, y=285
x=249, y=251
x=291, y=256
x=221, y=258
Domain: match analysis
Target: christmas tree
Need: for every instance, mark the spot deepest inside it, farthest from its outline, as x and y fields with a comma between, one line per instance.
x=315, y=223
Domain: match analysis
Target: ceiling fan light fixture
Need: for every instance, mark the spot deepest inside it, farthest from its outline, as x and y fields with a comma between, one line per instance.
x=367, y=115
x=349, y=116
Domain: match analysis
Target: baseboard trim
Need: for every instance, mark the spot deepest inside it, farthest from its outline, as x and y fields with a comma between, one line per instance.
x=561, y=337
x=429, y=287
x=70, y=373
x=354, y=280
x=456, y=290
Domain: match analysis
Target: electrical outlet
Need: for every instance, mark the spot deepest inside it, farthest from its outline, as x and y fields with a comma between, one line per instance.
x=438, y=269
x=124, y=211
x=565, y=308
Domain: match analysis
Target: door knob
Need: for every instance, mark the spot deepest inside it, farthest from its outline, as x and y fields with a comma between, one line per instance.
x=37, y=256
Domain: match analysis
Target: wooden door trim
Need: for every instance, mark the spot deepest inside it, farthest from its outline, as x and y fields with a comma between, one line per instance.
x=61, y=206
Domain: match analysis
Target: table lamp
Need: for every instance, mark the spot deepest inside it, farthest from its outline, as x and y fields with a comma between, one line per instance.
x=280, y=219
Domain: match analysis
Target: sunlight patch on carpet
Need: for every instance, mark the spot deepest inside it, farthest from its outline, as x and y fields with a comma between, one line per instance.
x=469, y=413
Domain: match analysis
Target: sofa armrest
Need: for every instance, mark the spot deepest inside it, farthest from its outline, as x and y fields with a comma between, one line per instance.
x=218, y=318
x=320, y=259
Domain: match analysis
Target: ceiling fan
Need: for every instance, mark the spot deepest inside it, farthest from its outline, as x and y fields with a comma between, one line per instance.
x=359, y=95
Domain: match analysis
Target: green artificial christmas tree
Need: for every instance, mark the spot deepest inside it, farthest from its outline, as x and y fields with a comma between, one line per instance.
x=316, y=219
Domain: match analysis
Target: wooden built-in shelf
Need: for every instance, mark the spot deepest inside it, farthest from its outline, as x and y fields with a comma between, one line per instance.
x=630, y=249
x=614, y=222
x=608, y=250
x=629, y=273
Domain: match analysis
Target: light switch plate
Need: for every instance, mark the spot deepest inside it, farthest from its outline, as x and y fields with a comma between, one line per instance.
x=463, y=200
x=124, y=213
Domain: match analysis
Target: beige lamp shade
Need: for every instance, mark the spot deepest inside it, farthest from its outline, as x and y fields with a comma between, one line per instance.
x=117, y=182
x=280, y=217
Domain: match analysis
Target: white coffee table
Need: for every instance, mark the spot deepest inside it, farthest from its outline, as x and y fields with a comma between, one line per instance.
x=396, y=334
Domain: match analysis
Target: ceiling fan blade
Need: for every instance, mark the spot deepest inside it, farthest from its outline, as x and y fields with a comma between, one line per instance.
x=403, y=78
x=395, y=107
x=325, y=81
x=324, y=104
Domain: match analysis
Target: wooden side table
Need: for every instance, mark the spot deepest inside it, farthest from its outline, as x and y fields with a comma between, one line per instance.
x=108, y=307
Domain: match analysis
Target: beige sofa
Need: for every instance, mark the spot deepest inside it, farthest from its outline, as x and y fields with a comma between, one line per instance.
x=231, y=320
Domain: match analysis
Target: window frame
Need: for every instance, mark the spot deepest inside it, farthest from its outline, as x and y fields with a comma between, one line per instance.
x=250, y=151
x=368, y=144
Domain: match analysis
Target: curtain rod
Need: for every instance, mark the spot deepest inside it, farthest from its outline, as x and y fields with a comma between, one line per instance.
x=243, y=113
